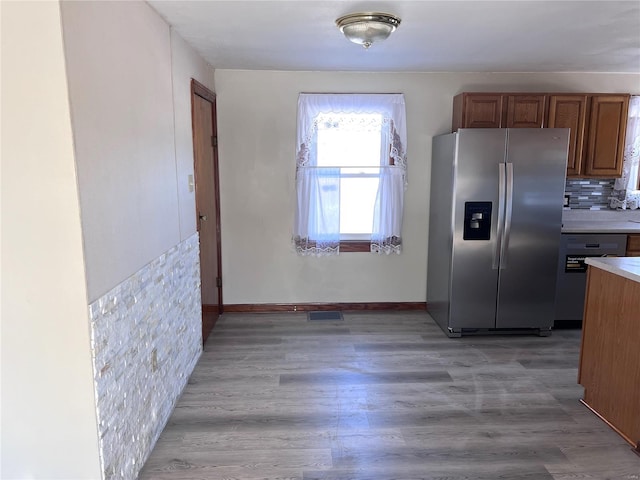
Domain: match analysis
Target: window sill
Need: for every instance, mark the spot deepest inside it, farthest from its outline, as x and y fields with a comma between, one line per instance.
x=350, y=246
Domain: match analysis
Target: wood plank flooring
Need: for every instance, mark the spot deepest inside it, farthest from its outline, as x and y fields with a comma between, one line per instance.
x=382, y=396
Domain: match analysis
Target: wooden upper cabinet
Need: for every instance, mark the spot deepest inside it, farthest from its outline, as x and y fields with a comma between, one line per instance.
x=570, y=111
x=597, y=121
x=498, y=110
x=607, y=128
x=477, y=110
x=525, y=111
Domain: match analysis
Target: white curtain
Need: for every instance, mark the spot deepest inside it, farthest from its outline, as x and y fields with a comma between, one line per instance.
x=317, y=219
x=625, y=193
x=387, y=217
x=317, y=222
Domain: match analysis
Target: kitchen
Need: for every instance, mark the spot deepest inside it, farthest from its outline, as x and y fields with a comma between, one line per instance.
x=250, y=100
x=543, y=286
x=257, y=139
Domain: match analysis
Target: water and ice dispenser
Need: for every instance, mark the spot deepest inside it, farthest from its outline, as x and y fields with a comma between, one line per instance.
x=477, y=221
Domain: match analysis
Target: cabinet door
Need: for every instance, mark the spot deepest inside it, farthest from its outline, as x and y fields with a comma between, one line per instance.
x=482, y=111
x=525, y=111
x=570, y=111
x=607, y=125
x=633, y=246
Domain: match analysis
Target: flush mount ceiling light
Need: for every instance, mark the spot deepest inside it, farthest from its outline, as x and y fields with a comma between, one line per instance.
x=366, y=28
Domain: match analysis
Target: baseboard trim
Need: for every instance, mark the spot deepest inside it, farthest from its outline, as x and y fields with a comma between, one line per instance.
x=210, y=309
x=310, y=307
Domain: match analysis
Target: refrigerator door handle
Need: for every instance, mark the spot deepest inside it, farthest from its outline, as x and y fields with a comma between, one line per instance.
x=504, y=248
x=500, y=222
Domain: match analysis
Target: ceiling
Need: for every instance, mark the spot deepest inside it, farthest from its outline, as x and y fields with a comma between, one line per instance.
x=434, y=36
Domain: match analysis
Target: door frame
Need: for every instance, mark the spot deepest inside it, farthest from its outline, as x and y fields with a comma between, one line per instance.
x=198, y=89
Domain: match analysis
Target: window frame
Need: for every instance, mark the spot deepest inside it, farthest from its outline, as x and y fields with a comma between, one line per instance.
x=636, y=188
x=355, y=246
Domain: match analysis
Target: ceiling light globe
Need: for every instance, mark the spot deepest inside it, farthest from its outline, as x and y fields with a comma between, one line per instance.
x=367, y=28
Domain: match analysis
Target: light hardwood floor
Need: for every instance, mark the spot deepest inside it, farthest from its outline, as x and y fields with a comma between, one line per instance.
x=382, y=396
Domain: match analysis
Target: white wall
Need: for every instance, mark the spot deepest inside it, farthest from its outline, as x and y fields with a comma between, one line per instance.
x=256, y=131
x=128, y=75
x=120, y=83
x=48, y=409
x=128, y=81
x=186, y=64
x=130, y=88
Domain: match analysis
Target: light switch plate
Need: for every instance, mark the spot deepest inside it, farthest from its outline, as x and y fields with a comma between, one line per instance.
x=191, y=184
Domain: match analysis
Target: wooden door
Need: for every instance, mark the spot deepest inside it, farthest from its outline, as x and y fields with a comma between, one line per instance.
x=205, y=148
x=607, y=125
x=525, y=111
x=570, y=111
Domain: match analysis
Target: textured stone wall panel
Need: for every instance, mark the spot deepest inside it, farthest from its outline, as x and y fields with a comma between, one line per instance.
x=146, y=340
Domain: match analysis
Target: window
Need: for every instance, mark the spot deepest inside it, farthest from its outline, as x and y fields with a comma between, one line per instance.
x=626, y=191
x=351, y=171
x=352, y=142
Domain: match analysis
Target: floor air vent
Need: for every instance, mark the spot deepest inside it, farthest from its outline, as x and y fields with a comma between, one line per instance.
x=325, y=316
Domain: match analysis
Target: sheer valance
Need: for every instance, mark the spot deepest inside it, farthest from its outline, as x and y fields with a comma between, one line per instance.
x=390, y=106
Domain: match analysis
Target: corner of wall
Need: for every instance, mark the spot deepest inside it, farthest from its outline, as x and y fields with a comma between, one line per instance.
x=186, y=64
x=49, y=427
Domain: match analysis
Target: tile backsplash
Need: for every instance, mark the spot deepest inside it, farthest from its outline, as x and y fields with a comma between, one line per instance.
x=589, y=194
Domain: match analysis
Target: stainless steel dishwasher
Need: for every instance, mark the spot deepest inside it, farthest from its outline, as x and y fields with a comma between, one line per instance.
x=572, y=271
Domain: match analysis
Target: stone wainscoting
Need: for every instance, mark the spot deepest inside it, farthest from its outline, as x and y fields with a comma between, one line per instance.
x=146, y=340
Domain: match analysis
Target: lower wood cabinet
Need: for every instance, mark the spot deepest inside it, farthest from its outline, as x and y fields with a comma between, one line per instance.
x=633, y=245
x=609, y=367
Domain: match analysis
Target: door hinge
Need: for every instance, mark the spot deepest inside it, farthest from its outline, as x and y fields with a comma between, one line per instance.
x=214, y=141
x=218, y=282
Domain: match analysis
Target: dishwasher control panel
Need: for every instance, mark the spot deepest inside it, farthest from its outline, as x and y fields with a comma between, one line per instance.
x=578, y=249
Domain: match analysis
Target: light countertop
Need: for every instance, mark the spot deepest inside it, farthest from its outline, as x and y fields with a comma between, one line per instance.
x=600, y=221
x=628, y=267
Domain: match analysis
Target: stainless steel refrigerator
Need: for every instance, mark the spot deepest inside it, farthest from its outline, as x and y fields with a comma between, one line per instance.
x=494, y=229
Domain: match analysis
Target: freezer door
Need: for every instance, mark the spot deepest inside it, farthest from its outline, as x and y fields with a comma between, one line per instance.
x=440, y=233
x=474, y=272
x=536, y=169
